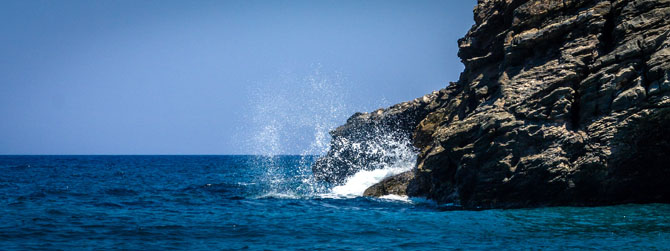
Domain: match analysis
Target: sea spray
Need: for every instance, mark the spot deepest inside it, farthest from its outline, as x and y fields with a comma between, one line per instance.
x=294, y=115
x=285, y=120
x=302, y=109
x=395, y=154
x=356, y=184
x=269, y=159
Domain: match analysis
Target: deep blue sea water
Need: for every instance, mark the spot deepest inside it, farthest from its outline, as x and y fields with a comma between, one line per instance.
x=253, y=202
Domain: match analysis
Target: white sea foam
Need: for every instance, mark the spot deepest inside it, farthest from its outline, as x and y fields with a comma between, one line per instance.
x=397, y=155
x=356, y=184
x=393, y=197
x=279, y=195
x=317, y=106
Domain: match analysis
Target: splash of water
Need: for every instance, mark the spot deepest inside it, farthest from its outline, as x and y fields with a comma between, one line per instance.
x=285, y=119
x=396, y=155
x=294, y=115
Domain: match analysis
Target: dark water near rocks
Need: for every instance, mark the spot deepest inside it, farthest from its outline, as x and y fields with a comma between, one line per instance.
x=237, y=202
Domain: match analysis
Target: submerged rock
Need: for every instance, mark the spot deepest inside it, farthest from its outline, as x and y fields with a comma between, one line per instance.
x=560, y=103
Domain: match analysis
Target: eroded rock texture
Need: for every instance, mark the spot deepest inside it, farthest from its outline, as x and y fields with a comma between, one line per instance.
x=560, y=103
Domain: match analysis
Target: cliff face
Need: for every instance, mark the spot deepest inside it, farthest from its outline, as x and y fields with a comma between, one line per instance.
x=560, y=103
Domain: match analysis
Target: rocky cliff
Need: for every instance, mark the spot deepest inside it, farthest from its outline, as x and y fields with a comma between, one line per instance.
x=560, y=103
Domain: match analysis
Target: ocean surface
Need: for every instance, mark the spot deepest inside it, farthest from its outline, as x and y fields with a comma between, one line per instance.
x=256, y=202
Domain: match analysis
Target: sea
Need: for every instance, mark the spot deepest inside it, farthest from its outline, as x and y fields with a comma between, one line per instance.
x=273, y=203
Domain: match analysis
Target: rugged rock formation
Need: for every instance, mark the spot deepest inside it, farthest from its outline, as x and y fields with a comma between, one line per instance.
x=560, y=103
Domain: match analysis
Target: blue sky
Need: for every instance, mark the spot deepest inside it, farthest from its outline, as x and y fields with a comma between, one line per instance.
x=212, y=77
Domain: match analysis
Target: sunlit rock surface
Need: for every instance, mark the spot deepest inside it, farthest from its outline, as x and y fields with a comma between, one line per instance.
x=560, y=103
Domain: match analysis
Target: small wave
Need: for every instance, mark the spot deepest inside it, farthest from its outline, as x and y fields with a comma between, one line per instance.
x=394, y=197
x=276, y=195
x=121, y=192
x=215, y=188
x=33, y=195
x=108, y=205
x=164, y=227
x=246, y=183
x=142, y=203
x=235, y=198
x=19, y=167
x=55, y=212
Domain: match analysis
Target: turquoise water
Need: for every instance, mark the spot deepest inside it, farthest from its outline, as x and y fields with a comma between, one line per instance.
x=253, y=202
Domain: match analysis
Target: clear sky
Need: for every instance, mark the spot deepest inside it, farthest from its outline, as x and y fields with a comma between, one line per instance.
x=212, y=77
